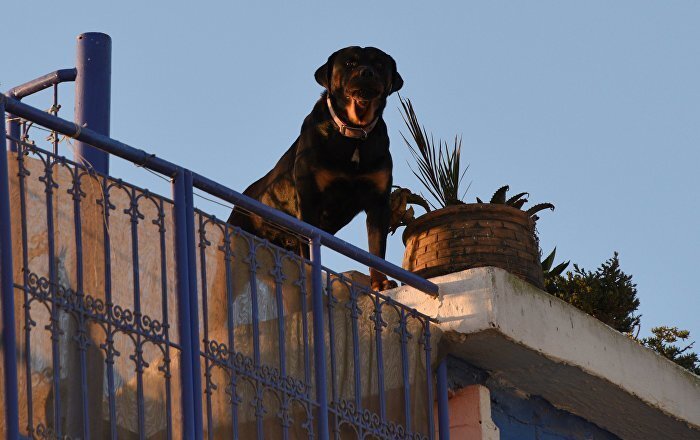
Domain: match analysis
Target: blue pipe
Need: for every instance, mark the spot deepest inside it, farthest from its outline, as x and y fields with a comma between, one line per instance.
x=194, y=313
x=9, y=339
x=14, y=132
x=31, y=87
x=167, y=168
x=319, y=337
x=443, y=407
x=88, y=136
x=183, y=303
x=92, y=93
x=43, y=82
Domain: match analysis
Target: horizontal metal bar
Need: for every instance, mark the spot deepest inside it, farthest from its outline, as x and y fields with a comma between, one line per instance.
x=167, y=168
x=43, y=82
x=99, y=141
x=328, y=240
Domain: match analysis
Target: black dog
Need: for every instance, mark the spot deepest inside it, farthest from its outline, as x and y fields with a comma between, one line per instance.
x=340, y=164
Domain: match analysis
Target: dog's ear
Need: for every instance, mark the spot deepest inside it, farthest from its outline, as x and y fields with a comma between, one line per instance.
x=396, y=81
x=323, y=74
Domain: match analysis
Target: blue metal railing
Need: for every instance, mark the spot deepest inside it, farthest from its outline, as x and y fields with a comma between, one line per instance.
x=52, y=79
x=162, y=166
x=324, y=406
x=7, y=296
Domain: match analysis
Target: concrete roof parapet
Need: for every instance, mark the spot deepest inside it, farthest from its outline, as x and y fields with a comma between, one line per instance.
x=546, y=347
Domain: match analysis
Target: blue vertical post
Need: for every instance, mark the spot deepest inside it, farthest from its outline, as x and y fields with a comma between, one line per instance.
x=92, y=93
x=443, y=407
x=187, y=305
x=319, y=337
x=13, y=129
x=9, y=339
x=194, y=307
x=179, y=189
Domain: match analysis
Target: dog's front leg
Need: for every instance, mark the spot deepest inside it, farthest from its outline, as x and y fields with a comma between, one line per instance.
x=309, y=209
x=377, y=229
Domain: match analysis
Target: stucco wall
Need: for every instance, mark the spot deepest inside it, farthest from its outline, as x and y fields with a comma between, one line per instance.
x=533, y=418
x=520, y=416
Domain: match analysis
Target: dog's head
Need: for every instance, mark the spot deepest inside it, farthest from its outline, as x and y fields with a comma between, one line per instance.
x=358, y=80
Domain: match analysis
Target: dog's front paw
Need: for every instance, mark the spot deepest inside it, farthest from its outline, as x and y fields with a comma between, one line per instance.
x=385, y=284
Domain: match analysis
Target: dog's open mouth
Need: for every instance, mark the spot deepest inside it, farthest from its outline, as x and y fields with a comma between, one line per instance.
x=363, y=96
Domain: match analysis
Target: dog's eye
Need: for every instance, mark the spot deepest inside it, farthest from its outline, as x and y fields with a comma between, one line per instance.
x=350, y=64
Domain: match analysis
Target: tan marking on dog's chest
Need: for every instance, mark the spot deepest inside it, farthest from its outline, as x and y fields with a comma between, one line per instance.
x=379, y=179
x=324, y=178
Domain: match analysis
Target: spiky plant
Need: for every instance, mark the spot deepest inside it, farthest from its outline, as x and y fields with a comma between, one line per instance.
x=517, y=201
x=550, y=272
x=439, y=165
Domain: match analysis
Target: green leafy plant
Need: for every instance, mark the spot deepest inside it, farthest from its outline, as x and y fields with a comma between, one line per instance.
x=610, y=295
x=663, y=343
x=607, y=294
x=439, y=165
x=439, y=170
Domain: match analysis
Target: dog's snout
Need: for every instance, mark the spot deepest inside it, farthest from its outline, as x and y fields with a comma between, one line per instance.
x=366, y=72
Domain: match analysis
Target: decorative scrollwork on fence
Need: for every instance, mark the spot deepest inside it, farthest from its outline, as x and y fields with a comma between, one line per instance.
x=269, y=376
x=96, y=310
x=44, y=432
x=368, y=423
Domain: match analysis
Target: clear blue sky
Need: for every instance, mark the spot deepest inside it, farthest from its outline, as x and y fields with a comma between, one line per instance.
x=594, y=106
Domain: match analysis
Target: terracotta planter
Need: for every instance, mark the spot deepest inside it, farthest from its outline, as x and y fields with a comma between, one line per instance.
x=473, y=235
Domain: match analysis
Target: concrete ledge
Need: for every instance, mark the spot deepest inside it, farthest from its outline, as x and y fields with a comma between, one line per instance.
x=548, y=348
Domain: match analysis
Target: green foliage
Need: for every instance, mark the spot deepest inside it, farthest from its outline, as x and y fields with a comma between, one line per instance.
x=610, y=295
x=438, y=165
x=517, y=201
x=607, y=294
x=662, y=343
x=499, y=197
x=550, y=272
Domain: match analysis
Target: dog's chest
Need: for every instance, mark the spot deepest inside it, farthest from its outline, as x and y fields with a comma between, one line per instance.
x=327, y=180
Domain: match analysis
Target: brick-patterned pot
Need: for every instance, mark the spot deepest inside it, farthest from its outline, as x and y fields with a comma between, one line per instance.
x=461, y=237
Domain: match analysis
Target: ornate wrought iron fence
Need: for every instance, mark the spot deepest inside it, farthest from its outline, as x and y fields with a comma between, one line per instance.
x=96, y=301
x=137, y=316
